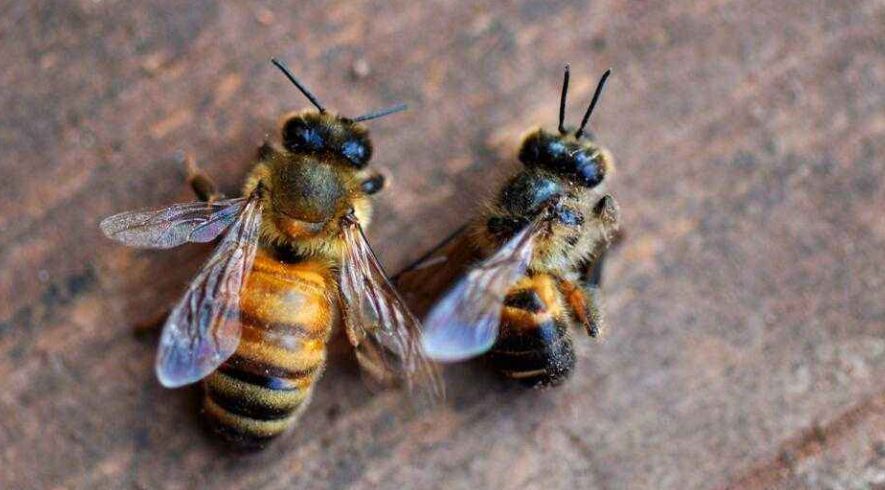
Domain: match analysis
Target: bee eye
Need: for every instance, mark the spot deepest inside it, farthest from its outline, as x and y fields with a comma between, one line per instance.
x=588, y=168
x=532, y=149
x=299, y=136
x=543, y=150
x=556, y=149
x=356, y=152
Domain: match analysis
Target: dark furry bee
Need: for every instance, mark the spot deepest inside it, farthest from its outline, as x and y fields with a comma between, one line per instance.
x=254, y=323
x=536, y=248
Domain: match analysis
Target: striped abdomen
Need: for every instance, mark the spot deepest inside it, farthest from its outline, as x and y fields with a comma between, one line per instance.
x=534, y=346
x=286, y=313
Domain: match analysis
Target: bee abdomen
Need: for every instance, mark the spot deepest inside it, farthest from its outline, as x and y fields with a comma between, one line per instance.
x=534, y=346
x=249, y=409
x=535, y=358
x=286, y=318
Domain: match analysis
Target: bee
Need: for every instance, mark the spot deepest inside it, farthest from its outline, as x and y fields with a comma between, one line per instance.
x=537, y=253
x=254, y=323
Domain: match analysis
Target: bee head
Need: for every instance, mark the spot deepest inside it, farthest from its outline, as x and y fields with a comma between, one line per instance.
x=318, y=132
x=582, y=161
x=327, y=135
x=571, y=154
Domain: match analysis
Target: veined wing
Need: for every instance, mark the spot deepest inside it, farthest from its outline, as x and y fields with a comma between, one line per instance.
x=384, y=333
x=175, y=225
x=465, y=322
x=424, y=281
x=203, y=329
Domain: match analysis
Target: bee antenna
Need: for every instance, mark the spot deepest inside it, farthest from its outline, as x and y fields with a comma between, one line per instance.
x=593, y=102
x=562, y=101
x=381, y=113
x=311, y=97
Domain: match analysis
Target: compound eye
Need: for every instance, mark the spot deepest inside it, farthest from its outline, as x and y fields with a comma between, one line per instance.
x=533, y=148
x=357, y=152
x=302, y=136
x=588, y=168
x=554, y=150
x=542, y=149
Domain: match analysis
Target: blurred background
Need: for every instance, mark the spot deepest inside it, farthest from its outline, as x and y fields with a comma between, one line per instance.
x=746, y=346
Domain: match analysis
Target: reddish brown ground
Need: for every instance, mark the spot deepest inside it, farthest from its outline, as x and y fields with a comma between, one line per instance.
x=747, y=339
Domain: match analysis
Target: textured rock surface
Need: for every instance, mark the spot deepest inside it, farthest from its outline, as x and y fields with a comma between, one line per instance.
x=747, y=340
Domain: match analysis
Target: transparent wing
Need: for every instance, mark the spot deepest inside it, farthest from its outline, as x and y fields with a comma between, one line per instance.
x=173, y=226
x=424, y=281
x=384, y=333
x=203, y=329
x=464, y=323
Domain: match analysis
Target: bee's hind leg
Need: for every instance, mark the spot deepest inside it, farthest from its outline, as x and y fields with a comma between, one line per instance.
x=595, y=310
x=585, y=303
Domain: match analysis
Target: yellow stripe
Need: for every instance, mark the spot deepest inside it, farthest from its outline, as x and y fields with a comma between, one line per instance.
x=522, y=319
x=311, y=354
x=523, y=374
x=312, y=274
x=270, y=299
x=274, y=399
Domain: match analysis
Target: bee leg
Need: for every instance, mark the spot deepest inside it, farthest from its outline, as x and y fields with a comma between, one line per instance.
x=585, y=304
x=592, y=272
x=584, y=296
x=202, y=185
x=597, y=324
x=372, y=183
x=267, y=151
x=608, y=212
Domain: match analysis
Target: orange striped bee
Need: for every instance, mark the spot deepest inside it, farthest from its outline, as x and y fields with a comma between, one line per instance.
x=254, y=323
x=537, y=256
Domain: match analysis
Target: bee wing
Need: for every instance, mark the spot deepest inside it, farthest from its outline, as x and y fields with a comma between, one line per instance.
x=424, y=281
x=174, y=225
x=384, y=333
x=203, y=329
x=464, y=323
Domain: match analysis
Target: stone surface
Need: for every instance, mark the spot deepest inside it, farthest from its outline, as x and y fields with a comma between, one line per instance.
x=747, y=339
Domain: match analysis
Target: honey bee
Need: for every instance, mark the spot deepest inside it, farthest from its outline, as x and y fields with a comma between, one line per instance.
x=254, y=322
x=537, y=251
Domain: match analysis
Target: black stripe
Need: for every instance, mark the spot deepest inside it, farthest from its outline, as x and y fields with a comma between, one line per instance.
x=556, y=357
x=547, y=347
x=557, y=365
x=261, y=368
x=269, y=382
x=526, y=299
x=524, y=338
x=236, y=437
x=249, y=407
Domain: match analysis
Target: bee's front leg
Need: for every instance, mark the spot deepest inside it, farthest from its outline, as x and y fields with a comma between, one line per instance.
x=202, y=185
x=608, y=214
x=371, y=182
